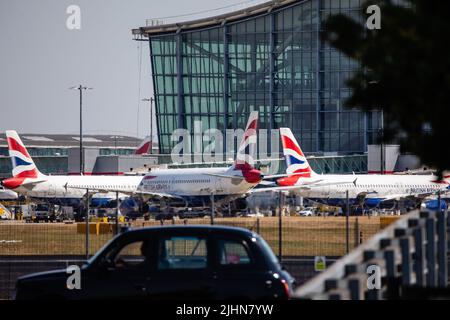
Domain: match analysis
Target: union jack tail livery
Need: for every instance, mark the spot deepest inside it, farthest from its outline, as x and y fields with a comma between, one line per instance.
x=296, y=162
x=23, y=165
x=247, y=148
x=244, y=157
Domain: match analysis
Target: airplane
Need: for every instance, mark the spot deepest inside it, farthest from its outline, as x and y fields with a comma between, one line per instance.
x=145, y=147
x=201, y=186
x=331, y=189
x=6, y=194
x=66, y=190
x=193, y=186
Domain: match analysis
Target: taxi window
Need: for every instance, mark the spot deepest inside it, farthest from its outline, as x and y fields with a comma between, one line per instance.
x=131, y=255
x=182, y=253
x=233, y=253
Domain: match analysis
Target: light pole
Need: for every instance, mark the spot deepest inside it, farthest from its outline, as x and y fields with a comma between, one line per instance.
x=151, y=121
x=382, y=169
x=81, y=88
x=382, y=143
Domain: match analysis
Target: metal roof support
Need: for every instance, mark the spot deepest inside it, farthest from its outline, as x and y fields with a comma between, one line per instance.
x=272, y=79
x=226, y=64
x=318, y=47
x=180, y=90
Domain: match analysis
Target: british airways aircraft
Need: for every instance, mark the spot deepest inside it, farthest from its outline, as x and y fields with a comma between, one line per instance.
x=29, y=181
x=194, y=186
x=197, y=186
x=145, y=147
x=332, y=189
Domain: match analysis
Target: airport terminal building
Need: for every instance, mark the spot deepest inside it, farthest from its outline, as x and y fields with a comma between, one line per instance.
x=58, y=154
x=268, y=58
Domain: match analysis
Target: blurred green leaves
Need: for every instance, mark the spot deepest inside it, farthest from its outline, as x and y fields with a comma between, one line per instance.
x=405, y=72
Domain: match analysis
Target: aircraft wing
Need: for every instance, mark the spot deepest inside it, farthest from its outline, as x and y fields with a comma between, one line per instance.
x=129, y=193
x=99, y=190
x=287, y=188
x=419, y=196
x=307, y=186
x=273, y=176
x=224, y=176
x=31, y=183
x=267, y=183
x=157, y=194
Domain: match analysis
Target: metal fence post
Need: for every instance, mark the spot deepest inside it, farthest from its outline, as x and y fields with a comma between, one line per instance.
x=280, y=226
x=87, y=224
x=356, y=232
x=347, y=234
x=117, y=212
x=257, y=225
x=213, y=209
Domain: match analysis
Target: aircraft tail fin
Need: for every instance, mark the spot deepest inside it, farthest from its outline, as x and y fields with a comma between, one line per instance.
x=145, y=147
x=247, y=148
x=22, y=163
x=296, y=162
x=245, y=154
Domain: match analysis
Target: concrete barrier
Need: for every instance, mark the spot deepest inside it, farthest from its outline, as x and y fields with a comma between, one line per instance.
x=408, y=258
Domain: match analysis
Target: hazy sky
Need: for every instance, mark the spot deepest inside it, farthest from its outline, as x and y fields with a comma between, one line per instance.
x=40, y=58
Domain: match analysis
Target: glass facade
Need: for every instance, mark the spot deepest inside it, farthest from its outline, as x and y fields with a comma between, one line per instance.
x=274, y=63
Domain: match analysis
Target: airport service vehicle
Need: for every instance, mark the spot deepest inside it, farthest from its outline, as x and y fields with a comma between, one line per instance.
x=5, y=214
x=43, y=213
x=193, y=213
x=307, y=212
x=173, y=262
x=367, y=189
x=29, y=181
x=198, y=187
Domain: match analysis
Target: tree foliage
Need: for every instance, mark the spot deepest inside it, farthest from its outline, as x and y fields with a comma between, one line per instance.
x=405, y=72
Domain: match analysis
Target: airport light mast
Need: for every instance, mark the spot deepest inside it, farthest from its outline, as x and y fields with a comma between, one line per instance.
x=381, y=131
x=151, y=121
x=81, y=88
